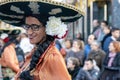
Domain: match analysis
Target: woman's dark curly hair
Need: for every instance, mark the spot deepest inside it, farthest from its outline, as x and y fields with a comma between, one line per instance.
x=25, y=75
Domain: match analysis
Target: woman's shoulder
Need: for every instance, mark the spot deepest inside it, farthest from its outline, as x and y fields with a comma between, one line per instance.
x=53, y=51
x=101, y=52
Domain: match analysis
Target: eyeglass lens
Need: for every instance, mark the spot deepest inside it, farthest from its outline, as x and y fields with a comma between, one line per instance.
x=34, y=27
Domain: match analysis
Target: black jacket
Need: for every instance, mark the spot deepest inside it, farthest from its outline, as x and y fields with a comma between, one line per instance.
x=113, y=72
x=87, y=75
x=115, y=64
x=74, y=72
x=104, y=38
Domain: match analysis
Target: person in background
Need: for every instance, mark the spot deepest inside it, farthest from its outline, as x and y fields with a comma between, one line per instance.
x=58, y=44
x=96, y=27
x=60, y=48
x=3, y=72
x=87, y=48
x=111, y=64
x=1, y=46
x=88, y=72
x=107, y=32
x=9, y=59
x=15, y=34
x=68, y=45
x=79, y=36
x=76, y=51
x=119, y=37
x=101, y=33
x=73, y=66
x=97, y=54
x=103, y=24
x=114, y=37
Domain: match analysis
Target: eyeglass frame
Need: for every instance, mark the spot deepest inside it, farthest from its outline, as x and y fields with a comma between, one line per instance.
x=32, y=26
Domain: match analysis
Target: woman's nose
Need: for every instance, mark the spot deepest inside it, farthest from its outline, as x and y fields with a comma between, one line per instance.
x=29, y=31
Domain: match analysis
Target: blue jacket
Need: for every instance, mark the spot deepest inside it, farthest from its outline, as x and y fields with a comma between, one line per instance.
x=106, y=44
x=87, y=50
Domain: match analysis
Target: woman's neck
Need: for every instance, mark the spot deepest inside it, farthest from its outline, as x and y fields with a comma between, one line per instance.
x=41, y=41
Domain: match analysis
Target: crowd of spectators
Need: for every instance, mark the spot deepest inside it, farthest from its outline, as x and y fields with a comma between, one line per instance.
x=98, y=56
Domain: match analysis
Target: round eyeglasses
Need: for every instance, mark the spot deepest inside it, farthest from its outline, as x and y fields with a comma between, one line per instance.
x=34, y=27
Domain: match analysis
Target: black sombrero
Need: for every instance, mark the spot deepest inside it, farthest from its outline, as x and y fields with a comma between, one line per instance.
x=10, y=31
x=14, y=11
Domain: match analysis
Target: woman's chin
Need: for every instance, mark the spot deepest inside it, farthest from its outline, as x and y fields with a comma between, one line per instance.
x=32, y=42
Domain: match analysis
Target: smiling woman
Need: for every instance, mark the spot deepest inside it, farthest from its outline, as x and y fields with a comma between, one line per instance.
x=36, y=32
x=43, y=21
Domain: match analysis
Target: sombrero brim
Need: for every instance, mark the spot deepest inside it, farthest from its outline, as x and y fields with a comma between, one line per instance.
x=14, y=11
x=4, y=31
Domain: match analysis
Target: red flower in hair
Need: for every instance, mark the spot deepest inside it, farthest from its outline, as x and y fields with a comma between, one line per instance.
x=6, y=39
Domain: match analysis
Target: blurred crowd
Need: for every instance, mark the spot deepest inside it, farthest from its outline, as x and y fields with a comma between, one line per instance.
x=98, y=57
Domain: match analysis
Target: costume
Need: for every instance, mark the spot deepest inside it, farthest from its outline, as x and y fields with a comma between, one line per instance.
x=8, y=53
x=51, y=65
x=10, y=56
x=14, y=65
x=9, y=62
